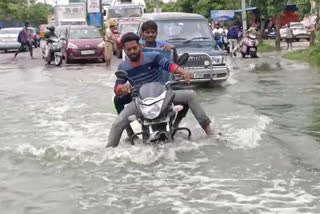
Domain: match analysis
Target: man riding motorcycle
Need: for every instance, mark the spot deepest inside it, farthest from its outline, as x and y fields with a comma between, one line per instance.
x=50, y=33
x=149, y=34
x=143, y=68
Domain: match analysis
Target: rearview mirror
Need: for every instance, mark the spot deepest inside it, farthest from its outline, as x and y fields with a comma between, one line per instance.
x=121, y=74
x=183, y=59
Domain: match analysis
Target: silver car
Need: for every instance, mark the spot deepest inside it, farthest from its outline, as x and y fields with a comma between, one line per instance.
x=9, y=38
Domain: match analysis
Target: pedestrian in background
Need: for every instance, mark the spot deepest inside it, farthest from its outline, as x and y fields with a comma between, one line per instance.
x=109, y=42
x=233, y=36
x=24, y=38
x=289, y=37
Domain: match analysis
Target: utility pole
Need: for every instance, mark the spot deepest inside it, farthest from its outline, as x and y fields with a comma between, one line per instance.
x=244, y=15
x=157, y=6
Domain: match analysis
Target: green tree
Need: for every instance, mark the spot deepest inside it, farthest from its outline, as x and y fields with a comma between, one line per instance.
x=262, y=5
x=13, y=11
x=304, y=7
x=276, y=8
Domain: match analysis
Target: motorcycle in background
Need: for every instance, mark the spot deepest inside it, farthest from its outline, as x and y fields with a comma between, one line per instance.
x=225, y=41
x=52, y=51
x=249, y=46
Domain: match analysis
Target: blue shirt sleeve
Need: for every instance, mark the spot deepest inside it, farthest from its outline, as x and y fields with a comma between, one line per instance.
x=163, y=62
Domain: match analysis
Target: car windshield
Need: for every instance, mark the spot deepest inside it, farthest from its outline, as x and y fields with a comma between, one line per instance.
x=31, y=31
x=107, y=2
x=129, y=28
x=9, y=31
x=85, y=33
x=125, y=12
x=183, y=30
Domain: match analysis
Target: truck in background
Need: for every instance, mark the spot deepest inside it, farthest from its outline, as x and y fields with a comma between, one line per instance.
x=72, y=14
x=123, y=11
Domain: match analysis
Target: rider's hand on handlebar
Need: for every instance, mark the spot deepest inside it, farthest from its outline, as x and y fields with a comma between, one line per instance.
x=125, y=89
x=187, y=76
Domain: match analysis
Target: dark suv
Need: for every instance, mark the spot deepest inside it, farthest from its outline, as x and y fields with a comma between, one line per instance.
x=191, y=34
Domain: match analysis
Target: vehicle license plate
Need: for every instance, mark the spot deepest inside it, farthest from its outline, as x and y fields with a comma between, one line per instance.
x=252, y=49
x=88, y=52
x=196, y=75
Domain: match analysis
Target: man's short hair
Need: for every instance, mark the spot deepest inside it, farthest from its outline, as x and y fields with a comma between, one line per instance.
x=149, y=25
x=128, y=37
x=26, y=23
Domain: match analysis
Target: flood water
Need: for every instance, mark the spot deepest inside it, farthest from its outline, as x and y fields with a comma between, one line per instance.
x=54, y=125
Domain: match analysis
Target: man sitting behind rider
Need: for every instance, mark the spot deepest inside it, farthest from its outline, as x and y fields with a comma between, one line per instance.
x=149, y=35
x=144, y=68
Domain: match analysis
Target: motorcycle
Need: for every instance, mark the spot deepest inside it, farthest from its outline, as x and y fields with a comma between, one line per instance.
x=52, y=52
x=249, y=46
x=156, y=111
x=225, y=42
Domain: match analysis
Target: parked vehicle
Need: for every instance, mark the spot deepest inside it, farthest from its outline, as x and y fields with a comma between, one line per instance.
x=191, y=33
x=9, y=39
x=225, y=41
x=249, y=46
x=35, y=37
x=72, y=14
x=123, y=28
x=83, y=42
x=123, y=11
x=52, y=52
x=299, y=31
x=270, y=34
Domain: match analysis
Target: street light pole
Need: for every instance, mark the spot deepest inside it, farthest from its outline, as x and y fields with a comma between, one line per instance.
x=157, y=6
x=244, y=15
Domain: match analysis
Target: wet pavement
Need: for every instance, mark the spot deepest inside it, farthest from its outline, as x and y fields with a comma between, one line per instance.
x=54, y=125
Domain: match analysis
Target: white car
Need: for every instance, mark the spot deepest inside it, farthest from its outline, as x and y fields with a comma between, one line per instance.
x=9, y=38
x=299, y=31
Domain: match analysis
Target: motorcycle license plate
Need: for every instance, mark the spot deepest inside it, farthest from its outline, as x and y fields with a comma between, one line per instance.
x=58, y=54
x=252, y=49
x=88, y=52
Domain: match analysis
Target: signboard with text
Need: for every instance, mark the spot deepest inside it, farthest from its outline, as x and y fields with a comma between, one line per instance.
x=93, y=6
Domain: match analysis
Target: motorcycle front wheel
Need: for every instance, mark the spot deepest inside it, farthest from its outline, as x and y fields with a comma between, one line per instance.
x=57, y=60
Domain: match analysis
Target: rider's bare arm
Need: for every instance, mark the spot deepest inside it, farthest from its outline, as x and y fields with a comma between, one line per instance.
x=187, y=76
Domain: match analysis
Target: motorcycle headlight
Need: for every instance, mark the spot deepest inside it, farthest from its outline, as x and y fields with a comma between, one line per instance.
x=153, y=111
x=101, y=44
x=217, y=60
x=72, y=46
